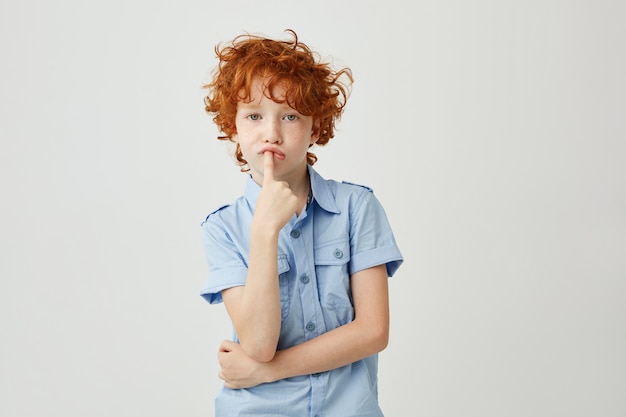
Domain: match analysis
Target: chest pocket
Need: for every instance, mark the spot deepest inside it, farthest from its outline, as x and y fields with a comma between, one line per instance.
x=333, y=278
x=283, y=280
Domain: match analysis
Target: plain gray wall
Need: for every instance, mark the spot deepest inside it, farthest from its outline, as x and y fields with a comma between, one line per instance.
x=493, y=132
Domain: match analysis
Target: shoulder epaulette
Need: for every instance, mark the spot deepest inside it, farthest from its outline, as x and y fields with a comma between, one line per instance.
x=358, y=185
x=216, y=210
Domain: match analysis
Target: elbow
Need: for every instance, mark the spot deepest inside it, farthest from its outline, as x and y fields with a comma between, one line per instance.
x=259, y=347
x=260, y=353
x=375, y=336
x=379, y=339
x=264, y=356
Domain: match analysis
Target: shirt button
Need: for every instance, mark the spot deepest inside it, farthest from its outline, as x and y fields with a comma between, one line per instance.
x=310, y=326
x=338, y=253
x=304, y=278
x=295, y=234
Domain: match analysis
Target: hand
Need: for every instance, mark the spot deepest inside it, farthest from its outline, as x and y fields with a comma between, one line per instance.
x=276, y=203
x=237, y=370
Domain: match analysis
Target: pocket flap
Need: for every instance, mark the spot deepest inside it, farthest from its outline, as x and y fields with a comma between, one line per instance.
x=334, y=252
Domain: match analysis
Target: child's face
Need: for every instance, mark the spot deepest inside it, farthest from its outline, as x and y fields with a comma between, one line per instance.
x=264, y=125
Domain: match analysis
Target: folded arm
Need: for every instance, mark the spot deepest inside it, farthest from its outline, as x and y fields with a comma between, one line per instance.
x=366, y=335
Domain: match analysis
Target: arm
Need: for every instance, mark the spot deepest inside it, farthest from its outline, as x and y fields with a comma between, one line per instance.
x=366, y=335
x=255, y=308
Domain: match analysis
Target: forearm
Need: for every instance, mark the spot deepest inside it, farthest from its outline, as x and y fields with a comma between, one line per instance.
x=257, y=313
x=342, y=346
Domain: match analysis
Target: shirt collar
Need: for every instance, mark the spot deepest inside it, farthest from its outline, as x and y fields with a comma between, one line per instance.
x=322, y=192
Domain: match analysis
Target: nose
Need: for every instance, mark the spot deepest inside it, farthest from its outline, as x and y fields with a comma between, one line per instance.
x=272, y=132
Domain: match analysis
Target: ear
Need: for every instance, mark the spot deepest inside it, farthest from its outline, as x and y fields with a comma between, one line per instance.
x=315, y=132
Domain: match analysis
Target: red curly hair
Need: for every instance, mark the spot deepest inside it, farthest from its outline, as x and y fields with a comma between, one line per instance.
x=312, y=87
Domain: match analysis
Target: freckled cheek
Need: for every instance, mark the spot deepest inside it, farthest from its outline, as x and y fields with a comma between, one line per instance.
x=247, y=145
x=242, y=136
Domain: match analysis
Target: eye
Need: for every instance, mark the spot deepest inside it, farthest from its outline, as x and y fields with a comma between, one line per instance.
x=291, y=117
x=254, y=116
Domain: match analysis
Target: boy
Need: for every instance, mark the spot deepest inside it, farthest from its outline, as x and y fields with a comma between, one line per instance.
x=301, y=263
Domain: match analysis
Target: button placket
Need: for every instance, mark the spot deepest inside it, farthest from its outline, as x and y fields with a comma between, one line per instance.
x=302, y=241
x=313, y=325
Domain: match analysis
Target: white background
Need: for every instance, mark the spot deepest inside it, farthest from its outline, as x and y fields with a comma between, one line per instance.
x=493, y=132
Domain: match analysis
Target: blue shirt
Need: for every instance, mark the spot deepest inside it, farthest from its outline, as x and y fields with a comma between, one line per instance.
x=344, y=230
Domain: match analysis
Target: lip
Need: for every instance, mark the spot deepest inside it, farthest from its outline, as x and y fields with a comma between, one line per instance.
x=278, y=154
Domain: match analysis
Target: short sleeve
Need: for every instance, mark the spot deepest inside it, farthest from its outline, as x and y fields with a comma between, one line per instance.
x=227, y=267
x=371, y=237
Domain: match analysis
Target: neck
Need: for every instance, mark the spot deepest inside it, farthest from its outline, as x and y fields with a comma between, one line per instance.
x=302, y=191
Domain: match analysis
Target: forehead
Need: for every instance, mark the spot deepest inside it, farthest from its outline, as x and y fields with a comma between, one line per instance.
x=260, y=87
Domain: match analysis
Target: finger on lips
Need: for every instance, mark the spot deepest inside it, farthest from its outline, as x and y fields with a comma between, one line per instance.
x=268, y=164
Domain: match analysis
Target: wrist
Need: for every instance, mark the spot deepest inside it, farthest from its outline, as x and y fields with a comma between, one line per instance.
x=264, y=231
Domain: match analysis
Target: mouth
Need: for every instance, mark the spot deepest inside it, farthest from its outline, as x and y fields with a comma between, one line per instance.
x=277, y=154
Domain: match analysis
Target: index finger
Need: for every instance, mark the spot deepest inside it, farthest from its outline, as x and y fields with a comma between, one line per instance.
x=268, y=166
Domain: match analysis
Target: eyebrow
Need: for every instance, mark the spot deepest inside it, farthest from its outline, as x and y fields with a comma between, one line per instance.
x=255, y=105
